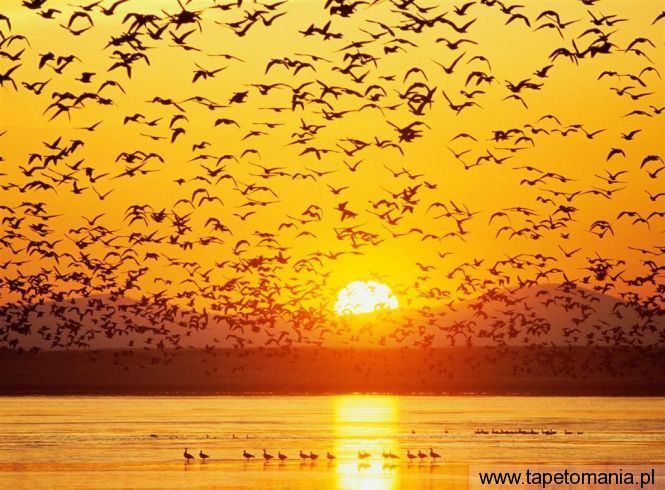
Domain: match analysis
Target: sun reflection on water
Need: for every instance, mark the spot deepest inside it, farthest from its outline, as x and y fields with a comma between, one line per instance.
x=370, y=424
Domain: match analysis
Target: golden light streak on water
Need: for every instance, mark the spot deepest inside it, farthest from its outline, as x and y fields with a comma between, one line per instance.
x=370, y=424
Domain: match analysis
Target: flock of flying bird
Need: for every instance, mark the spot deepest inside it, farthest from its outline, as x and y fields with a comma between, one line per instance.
x=270, y=184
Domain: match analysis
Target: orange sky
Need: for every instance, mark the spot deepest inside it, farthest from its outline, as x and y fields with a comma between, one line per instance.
x=409, y=264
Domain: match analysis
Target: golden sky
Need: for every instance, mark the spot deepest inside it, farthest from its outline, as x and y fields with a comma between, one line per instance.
x=398, y=229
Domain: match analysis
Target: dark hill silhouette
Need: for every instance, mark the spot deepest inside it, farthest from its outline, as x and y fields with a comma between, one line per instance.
x=579, y=342
x=532, y=370
x=555, y=315
x=546, y=315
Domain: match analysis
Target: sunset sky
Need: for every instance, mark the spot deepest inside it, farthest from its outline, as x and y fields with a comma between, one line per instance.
x=279, y=265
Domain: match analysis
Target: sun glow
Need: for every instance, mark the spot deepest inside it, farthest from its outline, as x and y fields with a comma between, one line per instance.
x=365, y=297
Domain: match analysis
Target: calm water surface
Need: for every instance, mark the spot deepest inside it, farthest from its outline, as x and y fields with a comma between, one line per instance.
x=137, y=442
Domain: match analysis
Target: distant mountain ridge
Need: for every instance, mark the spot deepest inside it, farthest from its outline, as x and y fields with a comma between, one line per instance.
x=548, y=314
x=533, y=370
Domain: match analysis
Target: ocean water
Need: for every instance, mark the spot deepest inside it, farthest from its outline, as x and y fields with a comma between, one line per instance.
x=138, y=442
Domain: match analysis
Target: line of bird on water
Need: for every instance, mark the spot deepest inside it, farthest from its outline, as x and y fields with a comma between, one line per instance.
x=547, y=432
x=362, y=455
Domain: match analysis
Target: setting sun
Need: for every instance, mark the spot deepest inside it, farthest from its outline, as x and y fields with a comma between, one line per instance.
x=365, y=297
